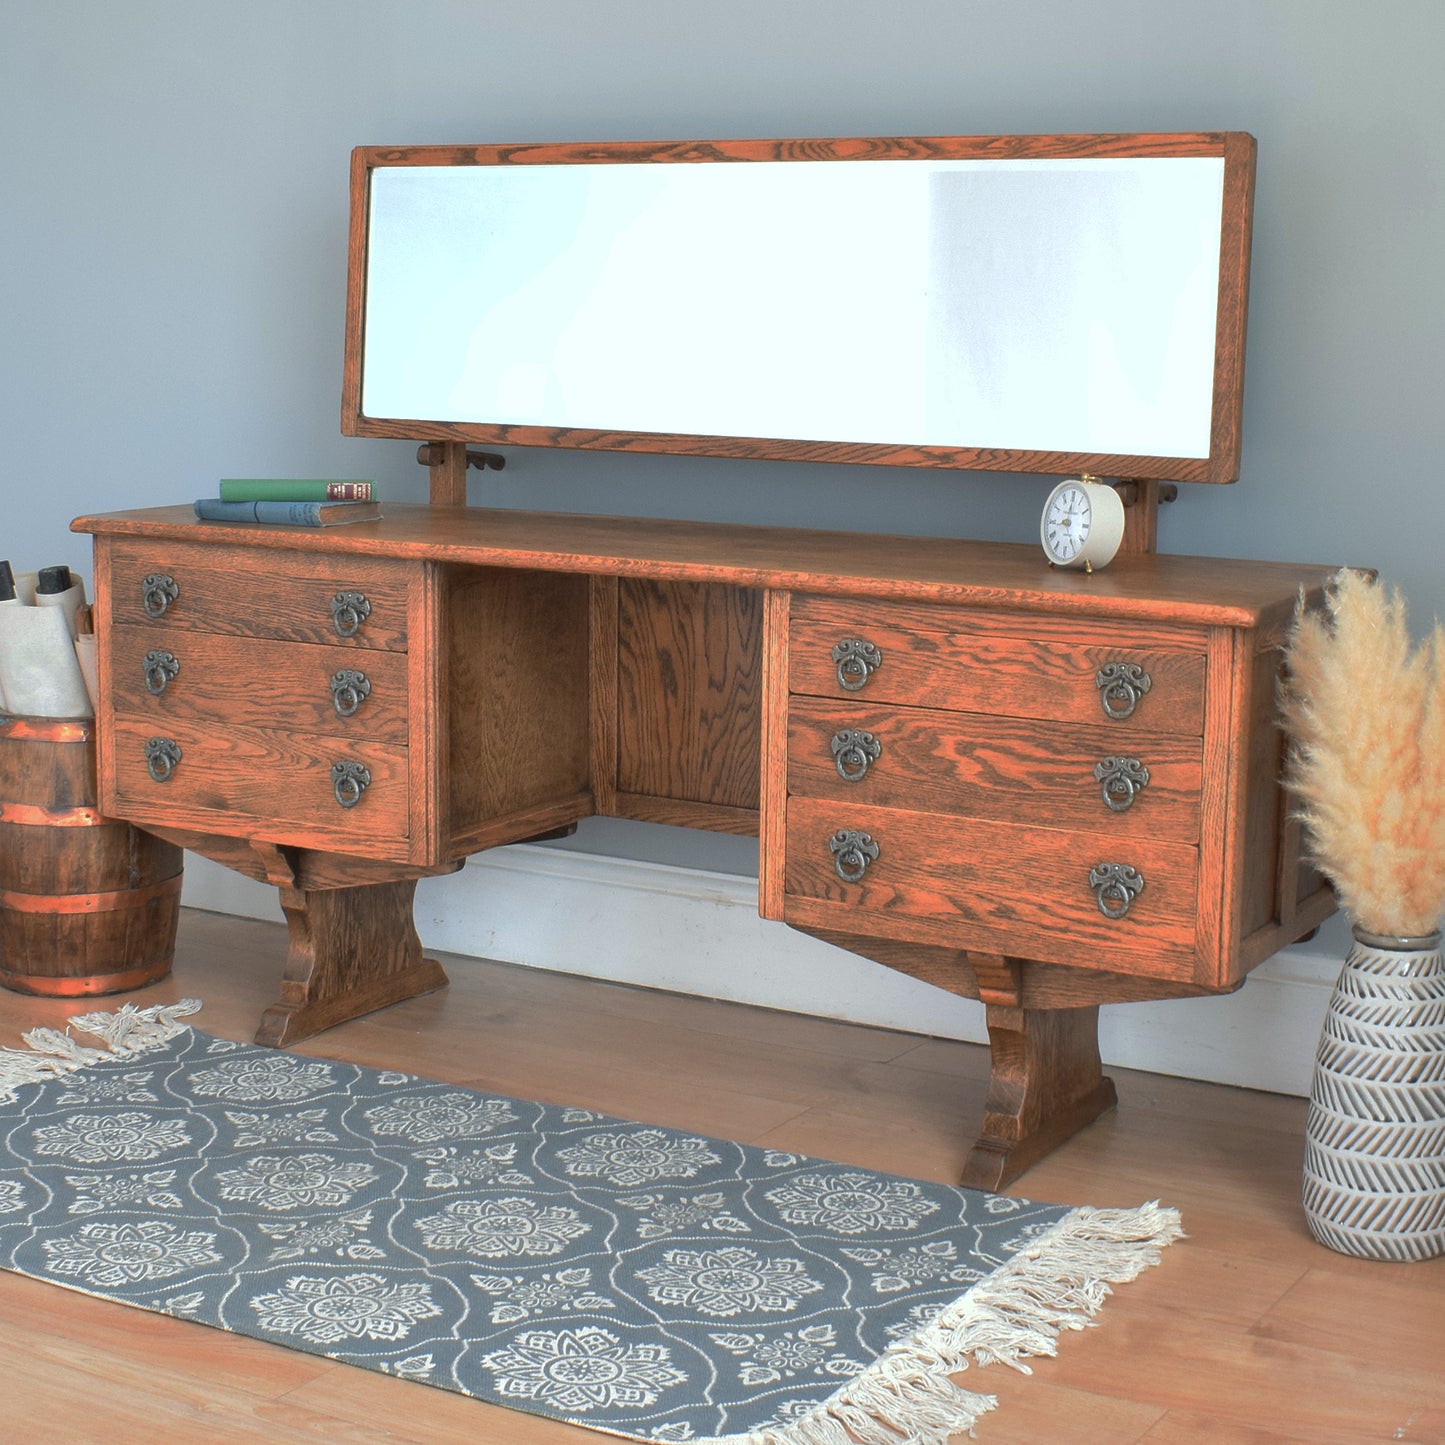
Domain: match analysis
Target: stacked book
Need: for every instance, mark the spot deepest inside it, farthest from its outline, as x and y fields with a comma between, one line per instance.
x=291, y=502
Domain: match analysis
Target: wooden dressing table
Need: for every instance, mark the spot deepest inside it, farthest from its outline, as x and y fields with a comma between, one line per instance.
x=1040, y=788
x=504, y=674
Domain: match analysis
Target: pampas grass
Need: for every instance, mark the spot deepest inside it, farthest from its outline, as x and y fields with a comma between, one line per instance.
x=1366, y=710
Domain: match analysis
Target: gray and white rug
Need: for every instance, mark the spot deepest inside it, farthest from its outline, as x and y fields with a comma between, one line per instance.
x=638, y=1280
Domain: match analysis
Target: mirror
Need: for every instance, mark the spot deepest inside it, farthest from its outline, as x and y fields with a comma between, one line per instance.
x=1046, y=309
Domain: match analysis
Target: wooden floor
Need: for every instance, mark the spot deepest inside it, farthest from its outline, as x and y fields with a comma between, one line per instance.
x=1247, y=1332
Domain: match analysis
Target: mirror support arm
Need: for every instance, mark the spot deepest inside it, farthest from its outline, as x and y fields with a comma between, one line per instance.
x=447, y=463
x=1141, y=500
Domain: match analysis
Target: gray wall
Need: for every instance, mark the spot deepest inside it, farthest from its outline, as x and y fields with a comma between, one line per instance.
x=173, y=233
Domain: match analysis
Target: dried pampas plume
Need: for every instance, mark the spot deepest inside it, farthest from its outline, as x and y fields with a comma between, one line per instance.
x=1366, y=711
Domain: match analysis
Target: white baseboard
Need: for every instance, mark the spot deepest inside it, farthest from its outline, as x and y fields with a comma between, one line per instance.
x=698, y=932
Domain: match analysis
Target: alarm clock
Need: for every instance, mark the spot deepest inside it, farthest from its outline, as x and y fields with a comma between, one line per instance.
x=1082, y=524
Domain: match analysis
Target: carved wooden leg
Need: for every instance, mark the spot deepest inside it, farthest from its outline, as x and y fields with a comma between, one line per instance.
x=1045, y=1084
x=1045, y=1080
x=353, y=950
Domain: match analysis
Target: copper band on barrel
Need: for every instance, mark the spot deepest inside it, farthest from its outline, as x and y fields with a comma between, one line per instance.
x=82, y=986
x=47, y=730
x=89, y=902
x=32, y=815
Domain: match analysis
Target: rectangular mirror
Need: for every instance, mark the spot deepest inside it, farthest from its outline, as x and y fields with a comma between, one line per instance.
x=1042, y=304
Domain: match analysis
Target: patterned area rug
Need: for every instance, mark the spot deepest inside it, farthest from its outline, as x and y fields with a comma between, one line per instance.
x=640, y=1281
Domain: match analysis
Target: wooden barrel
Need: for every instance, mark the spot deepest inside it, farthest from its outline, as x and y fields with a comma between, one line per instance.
x=87, y=904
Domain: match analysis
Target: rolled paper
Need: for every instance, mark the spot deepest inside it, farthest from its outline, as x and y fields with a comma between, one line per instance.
x=39, y=671
x=7, y=582
x=58, y=588
x=89, y=667
x=7, y=600
x=25, y=584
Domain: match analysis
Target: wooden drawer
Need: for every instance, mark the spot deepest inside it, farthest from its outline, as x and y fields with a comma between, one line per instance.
x=1018, y=666
x=248, y=782
x=992, y=887
x=240, y=592
x=256, y=682
x=1004, y=769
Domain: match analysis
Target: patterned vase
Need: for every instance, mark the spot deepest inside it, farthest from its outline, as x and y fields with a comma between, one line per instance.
x=1374, y=1172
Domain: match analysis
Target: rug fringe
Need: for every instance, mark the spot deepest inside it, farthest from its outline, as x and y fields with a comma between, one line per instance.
x=129, y=1030
x=1057, y=1282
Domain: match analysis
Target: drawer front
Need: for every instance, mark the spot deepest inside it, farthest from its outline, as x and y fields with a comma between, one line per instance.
x=239, y=591
x=247, y=782
x=1053, y=774
x=253, y=682
x=989, y=886
x=1056, y=672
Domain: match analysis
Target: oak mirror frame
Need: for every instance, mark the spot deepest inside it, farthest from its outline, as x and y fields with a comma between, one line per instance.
x=1041, y=304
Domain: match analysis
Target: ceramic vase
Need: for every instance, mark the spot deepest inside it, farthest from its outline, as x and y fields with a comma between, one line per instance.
x=1374, y=1172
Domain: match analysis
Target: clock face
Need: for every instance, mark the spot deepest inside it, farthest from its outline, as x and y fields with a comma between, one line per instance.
x=1067, y=520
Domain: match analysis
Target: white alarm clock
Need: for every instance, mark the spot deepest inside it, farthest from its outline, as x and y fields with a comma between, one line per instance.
x=1083, y=524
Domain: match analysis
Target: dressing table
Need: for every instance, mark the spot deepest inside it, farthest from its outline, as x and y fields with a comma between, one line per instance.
x=1042, y=788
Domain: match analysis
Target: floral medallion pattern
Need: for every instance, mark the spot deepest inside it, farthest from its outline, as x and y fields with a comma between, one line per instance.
x=267, y=1079
x=637, y=1157
x=297, y=1181
x=98, y=1193
x=652, y=1283
x=327, y=1310
x=490, y=1228
x=428, y=1118
x=734, y=1281
x=302, y=1126
x=111, y=1254
x=103, y=1138
x=851, y=1203
x=582, y=1370
x=521, y=1298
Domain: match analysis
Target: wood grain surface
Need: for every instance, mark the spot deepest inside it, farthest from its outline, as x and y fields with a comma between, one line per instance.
x=258, y=682
x=224, y=592
x=265, y=783
x=996, y=767
x=689, y=692
x=987, y=666
x=1164, y=588
x=1013, y=888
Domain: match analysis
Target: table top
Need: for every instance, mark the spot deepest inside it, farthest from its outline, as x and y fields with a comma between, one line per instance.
x=1208, y=591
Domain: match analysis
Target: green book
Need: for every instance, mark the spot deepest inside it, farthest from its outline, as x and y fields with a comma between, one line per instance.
x=296, y=489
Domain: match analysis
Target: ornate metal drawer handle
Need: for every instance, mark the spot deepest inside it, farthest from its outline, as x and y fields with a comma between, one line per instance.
x=162, y=755
x=1123, y=779
x=157, y=591
x=349, y=781
x=1121, y=685
x=852, y=853
x=348, y=611
x=160, y=668
x=856, y=659
x=1116, y=886
x=349, y=689
x=853, y=752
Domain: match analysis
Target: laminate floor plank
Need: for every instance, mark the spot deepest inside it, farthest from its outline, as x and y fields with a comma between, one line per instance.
x=1156, y=1352
x=1369, y=1317
x=1184, y=1427
x=361, y=1397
